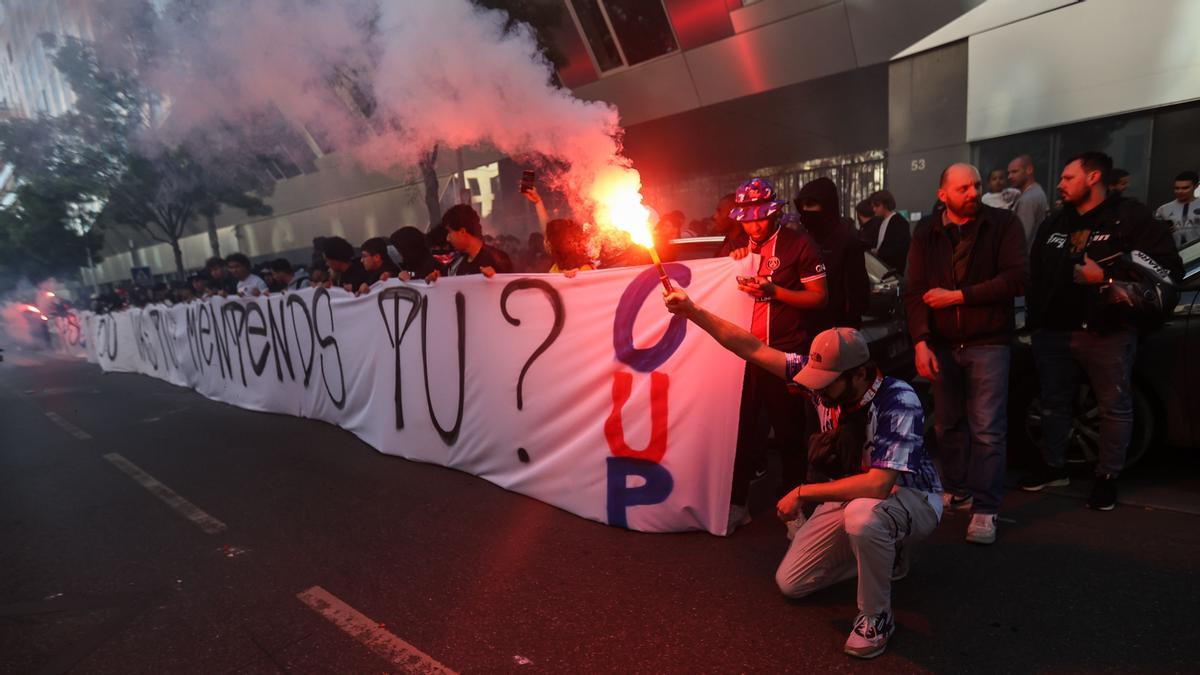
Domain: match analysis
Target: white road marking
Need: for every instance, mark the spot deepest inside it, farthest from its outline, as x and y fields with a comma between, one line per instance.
x=371, y=634
x=169, y=412
x=181, y=506
x=66, y=426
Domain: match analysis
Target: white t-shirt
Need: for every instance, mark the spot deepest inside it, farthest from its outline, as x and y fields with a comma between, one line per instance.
x=1184, y=218
x=250, y=284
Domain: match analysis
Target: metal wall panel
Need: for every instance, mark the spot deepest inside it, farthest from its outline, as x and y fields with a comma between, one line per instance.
x=820, y=118
x=927, y=99
x=926, y=122
x=1088, y=60
x=655, y=89
x=804, y=47
x=769, y=11
x=882, y=28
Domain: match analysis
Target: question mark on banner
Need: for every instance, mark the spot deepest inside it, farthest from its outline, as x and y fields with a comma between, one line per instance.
x=556, y=304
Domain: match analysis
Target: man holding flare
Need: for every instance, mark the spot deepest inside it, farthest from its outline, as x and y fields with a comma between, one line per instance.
x=886, y=495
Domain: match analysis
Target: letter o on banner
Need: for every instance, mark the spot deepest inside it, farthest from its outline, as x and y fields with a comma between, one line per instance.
x=646, y=360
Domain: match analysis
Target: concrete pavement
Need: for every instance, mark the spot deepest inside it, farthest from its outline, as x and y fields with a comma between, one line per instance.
x=101, y=574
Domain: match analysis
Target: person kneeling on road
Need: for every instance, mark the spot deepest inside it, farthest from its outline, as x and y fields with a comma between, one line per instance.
x=891, y=496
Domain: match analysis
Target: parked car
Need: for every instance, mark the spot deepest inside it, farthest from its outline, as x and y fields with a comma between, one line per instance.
x=1166, y=401
x=883, y=325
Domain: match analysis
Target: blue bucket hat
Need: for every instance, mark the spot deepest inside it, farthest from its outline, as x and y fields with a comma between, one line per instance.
x=755, y=200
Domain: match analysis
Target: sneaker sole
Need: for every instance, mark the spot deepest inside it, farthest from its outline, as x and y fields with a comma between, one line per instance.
x=983, y=541
x=1061, y=482
x=1107, y=507
x=866, y=655
x=871, y=654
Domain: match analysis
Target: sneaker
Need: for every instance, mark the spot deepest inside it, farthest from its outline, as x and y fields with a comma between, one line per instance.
x=901, y=564
x=1045, y=476
x=982, y=529
x=1104, y=494
x=738, y=516
x=870, y=635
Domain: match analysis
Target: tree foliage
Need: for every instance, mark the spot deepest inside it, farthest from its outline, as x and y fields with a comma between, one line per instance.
x=100, y=168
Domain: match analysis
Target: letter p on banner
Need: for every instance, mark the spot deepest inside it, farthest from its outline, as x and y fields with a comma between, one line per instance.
x=657, y=487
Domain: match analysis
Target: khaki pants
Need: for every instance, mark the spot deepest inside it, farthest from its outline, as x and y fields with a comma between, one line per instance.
x=858, y=537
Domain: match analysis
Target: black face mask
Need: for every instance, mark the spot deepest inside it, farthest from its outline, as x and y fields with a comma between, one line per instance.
x=818, y=221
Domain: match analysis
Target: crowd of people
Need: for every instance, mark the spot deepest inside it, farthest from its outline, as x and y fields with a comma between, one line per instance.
x=859, y=487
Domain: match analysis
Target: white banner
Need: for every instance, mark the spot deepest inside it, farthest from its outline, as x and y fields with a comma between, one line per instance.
x=583, y=393
x=70, y=333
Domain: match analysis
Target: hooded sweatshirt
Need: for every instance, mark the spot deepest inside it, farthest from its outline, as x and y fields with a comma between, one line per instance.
x=845, y=265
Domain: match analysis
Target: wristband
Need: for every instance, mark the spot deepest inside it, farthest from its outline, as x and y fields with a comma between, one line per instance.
x=768, y=289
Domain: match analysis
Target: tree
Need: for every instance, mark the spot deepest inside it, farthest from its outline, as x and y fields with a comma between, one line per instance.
x=105, y=157
x=63, y=166
x=38, y=237
x=233, y=176
x=161, y=193
x=429, y=177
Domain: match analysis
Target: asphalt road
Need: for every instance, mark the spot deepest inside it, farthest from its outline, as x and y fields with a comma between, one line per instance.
x=100, y=575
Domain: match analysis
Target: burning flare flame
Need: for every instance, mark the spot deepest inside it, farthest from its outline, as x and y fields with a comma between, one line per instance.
x=617, y=195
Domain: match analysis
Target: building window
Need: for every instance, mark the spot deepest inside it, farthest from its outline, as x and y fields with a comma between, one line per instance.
x=624, y=32
x=599, y=37
x=1127, y=139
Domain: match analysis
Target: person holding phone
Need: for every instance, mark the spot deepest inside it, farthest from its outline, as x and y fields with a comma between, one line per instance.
x=788, y=285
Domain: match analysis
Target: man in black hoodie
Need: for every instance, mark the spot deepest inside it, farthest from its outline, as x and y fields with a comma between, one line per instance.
x=846, y=279
x=966, y=265
x=1081, y=257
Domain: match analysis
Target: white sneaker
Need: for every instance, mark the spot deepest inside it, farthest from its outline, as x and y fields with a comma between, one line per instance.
x=870, y=635
x=982, y=529
x=738, y=516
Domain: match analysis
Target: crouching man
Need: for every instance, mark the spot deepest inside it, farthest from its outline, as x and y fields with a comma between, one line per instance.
x=888, y=496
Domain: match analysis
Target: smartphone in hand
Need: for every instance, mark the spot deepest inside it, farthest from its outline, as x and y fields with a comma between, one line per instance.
x=746, y=281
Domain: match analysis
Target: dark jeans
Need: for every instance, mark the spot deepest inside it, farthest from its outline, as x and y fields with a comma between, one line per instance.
x=1107, y=360
x=789, y=414
x=970, y=413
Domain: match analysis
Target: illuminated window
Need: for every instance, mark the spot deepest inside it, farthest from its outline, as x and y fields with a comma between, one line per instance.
x=624, y=32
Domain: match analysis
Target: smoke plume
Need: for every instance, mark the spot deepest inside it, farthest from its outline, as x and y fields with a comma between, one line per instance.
x=383, y=83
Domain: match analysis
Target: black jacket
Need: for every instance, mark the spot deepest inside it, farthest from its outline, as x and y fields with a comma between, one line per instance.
x=893, y=251
x=373, y=276
x=845, y=262
x=1119, y=225
x=996, y=275
x=845, y=275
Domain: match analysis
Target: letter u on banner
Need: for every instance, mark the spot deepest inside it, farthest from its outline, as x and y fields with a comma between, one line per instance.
x=614, y=428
